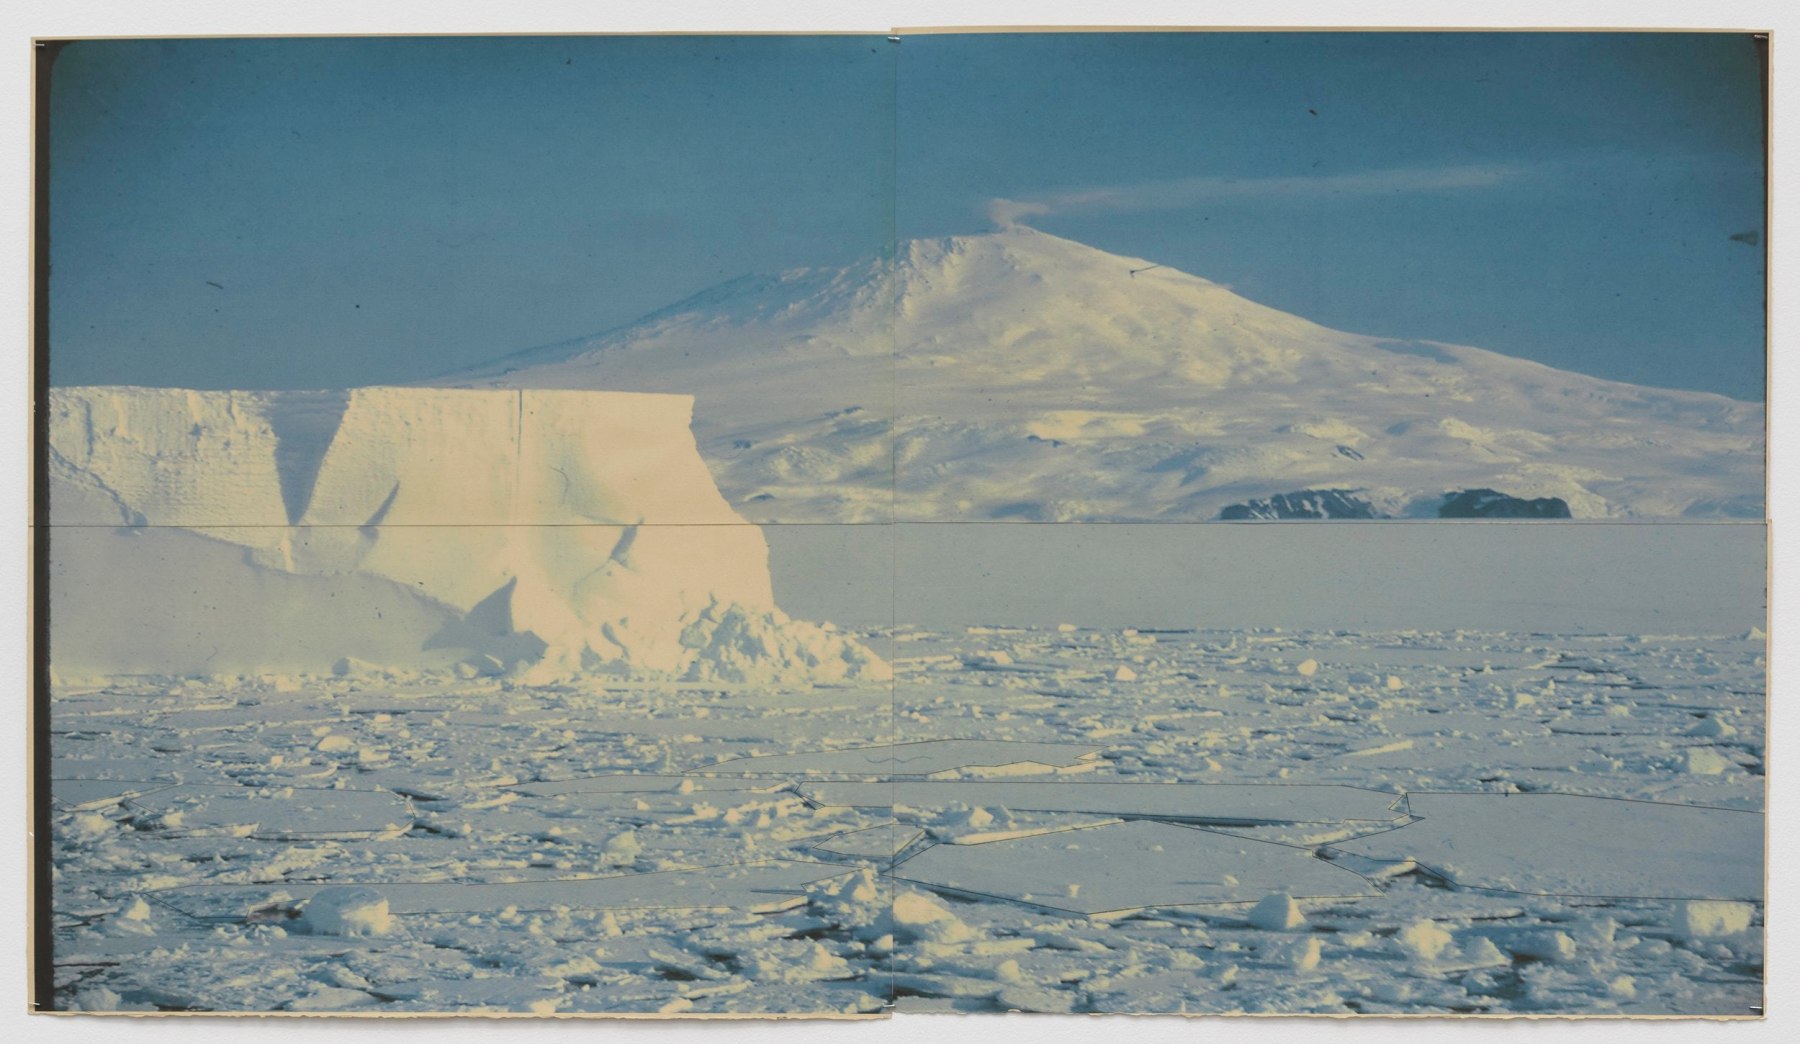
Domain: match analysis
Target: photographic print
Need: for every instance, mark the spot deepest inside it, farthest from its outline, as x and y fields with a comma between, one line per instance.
x=1252, y=522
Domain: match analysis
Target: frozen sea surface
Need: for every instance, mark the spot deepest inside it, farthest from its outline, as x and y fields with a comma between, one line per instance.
x=1255, y=821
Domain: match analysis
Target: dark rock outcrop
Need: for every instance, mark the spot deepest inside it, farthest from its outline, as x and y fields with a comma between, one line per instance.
x=1303, y=503
x=1488, y=503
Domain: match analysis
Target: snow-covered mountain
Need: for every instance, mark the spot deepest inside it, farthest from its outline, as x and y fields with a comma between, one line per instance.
x=536, y=532
x=1018, y=375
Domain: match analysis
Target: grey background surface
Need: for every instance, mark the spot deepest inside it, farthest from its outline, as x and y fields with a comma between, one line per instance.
x=1624, y=578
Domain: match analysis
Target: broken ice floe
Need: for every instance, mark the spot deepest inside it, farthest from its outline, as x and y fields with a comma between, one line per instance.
x=757, y=887
x=1563, y=844
x=582, y=780
x=922, y=758
x=979, y=826
x=877, y=843
x=84, y=795
x=1210, y=803
x=638, y=784
x=125, y=768
x=284, y=813
x=1129, y=866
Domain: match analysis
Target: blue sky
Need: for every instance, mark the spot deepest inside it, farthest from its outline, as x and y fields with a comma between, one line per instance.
x=1567, y=198
x=382, y=210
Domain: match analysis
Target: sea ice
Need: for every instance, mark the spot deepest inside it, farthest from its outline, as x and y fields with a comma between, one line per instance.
x=878, y=843
x=1129, y=866
x=773, y=884
x=88, y=794
x=1563, y=844
x=1211, y=803
x=519, y=792
x=636, y=783
x=191, y=809
x=919, y=758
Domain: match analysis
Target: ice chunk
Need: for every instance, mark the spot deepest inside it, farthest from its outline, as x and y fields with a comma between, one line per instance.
x=1304, y=955
x=763, y=886
x=1211, y=803
x=921, y=918
x=1538, y=944
x=1277, y=913
x=1033, y=998
x=1704, y=761
x=1129, y=866
x=1563, y=844
x=346, y=910
x=330, y=998
x=1714, y=727
x=989, y=659
x=350, y=666
x=91, y=824
x=921, y=758
x=1424, y=939
x=1703, y=919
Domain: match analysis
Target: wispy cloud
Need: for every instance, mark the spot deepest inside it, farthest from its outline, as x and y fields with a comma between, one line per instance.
x=1179, y=193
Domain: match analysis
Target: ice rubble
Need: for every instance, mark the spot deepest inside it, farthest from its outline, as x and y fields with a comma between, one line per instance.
x=489, y=901
x=544, y=532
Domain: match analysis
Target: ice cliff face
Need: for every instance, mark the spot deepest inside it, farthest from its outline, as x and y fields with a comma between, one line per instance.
x=546, y=532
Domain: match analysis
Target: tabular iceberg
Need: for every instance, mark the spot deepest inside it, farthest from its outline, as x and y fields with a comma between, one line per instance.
x=537, y=532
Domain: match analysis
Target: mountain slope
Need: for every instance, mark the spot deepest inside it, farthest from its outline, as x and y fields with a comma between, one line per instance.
x=1020, y=375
